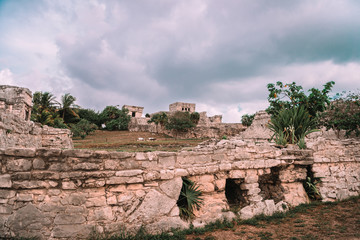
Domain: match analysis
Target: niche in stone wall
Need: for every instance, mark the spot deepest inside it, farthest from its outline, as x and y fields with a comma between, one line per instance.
x=236, y=195
x=270, y=185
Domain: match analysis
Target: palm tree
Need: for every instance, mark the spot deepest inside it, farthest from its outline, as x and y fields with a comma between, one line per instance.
x=68, y=105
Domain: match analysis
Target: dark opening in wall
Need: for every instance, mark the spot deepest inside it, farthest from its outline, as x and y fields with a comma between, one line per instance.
x=311, y=185
x=270, y=185
x=133, y=114
x=236, y=197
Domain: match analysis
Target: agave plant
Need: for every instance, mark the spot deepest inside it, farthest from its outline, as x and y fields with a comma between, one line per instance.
x=189, y=199
x=290, y=126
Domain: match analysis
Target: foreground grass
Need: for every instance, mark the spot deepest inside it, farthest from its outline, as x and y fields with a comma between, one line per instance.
x=330, y=220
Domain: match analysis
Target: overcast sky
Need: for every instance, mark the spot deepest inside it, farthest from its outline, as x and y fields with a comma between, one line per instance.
x=217, y=54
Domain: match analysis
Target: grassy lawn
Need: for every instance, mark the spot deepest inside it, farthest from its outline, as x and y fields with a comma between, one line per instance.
x=128, y=142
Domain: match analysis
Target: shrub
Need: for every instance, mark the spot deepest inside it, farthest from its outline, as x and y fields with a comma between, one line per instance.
x=247, y=119
x=147, y=115
x=180, y=122
x=90, y=115
x=343, y=114
x=189, y=199
x=159, y=118
x=291, y=125
x=82, y=128
x=115, y=118
x=195, y=117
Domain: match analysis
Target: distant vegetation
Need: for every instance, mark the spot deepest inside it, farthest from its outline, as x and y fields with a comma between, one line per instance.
x=67, y=114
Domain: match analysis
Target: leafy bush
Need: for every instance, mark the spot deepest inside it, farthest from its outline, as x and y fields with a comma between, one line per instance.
x=291, y=125
x=147, y=115
x=189, y=199
x=90, y=115
x=180, y=122
x=247, y=119
x=291, y=95
x=115, y=118
x=159, y=118
x=82, y=128
x=195, y=117
x=343, y=114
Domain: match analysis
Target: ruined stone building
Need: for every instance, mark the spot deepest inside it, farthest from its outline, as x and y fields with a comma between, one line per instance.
x=182, y=107
x=134, y=111
x=16, y=100
x=16, y=129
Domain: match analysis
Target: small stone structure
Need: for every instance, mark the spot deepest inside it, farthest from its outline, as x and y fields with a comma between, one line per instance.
x=16, y=100
x=134, y=111
x=16, y=129
x=182, y=107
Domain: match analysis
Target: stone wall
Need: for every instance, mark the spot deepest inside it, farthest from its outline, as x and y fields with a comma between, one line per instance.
x=54, y=193
x=17, y=132
x=16, y=100
x=337, y=164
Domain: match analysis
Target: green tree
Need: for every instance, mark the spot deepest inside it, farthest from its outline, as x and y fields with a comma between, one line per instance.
x=90, y=115
x=343, y=114
x=68, y=108
x=159, y=118
x=179, y=122
x=291, y=95
x=195, y=117
x=115, y=118
x=247, y=119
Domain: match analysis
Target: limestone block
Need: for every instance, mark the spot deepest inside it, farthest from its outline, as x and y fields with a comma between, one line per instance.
x=76, y=199
x=172, y=187
x=72, y=231
x=19, y=165
x=120, y=155
x=246, y=212
x=154, y=205
x=20, y=152
x=26, y=217
x=168, y=161
x=104, y=214
x=166, y=224
x=281, y=206
x=140, y=156
x=295, y=193
x=270, y=207
x=181, y=173
x=271, y=163
x=128, y=173
x=122, y=180
x=5, y=181
x=24, y=197
x=225, y=166
x=152, y=175
x=68, y=185
x=125, y=198
x=48, y=152
x=63, y=219
x=5, y=209
x=87, y=166
x=251, y=176
x=166, y=174
x=134, y=187
x=219, y=157
x=111, y=164
x=80, y=153
x=237, y=174
x=228, y=216
x=38, y=163
x=220, y=184
x=76, y=209
x=111, y=200
x=29, y=184
x=96, y=201
x=6, y=194
x=212, y=169
x=119, y=188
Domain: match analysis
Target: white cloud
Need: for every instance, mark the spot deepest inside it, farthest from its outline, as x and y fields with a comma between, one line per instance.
x=6, y=77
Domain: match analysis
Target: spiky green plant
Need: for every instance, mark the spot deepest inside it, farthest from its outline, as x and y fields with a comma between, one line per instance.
x=189, y=200
x=292, y=125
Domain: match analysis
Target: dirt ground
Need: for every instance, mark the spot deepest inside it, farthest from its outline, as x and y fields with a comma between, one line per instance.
x=326, y=221
x=128, y=141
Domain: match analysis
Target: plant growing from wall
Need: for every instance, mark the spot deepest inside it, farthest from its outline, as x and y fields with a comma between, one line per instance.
x=247, y=119
x=310, y=186
x=291, y=95
x=290, y=126
x=189, y=200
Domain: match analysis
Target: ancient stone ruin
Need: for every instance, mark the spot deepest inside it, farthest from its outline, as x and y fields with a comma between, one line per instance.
x=207, y=127
x=16, y=129
x=56, y=193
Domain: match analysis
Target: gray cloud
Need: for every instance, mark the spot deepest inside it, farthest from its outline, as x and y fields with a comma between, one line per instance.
x=151, y=53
